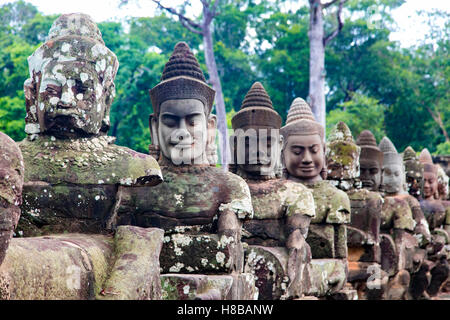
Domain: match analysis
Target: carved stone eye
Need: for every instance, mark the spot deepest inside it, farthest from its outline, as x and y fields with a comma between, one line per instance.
x=80, y=87
x=52, y=90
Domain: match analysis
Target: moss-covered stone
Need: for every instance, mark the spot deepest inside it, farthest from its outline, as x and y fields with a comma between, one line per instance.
x=397, y=214
x=327, y=276
x=135, y=272
x=191, y=287
x=366, y=213
x=273, y=202
x=198, y=253
x=269, y=265
x=188, y=196
x=85, y=161
x=208, y=287
x=58, y=267
x=71, y=184
x=434, y=212
x=332, y=204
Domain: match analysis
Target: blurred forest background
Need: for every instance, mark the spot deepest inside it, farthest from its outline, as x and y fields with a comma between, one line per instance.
x=371, y=82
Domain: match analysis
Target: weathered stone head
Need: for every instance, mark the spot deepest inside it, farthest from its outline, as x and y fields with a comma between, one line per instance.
x=182, y=126
x=413, y=172
x=11, y=182
x=430, y=178
x=443, y=187
x=256, y=141
x=393, y=170
x=71, y=85
x=342, y=155
x=304, y=149
x=370, y=160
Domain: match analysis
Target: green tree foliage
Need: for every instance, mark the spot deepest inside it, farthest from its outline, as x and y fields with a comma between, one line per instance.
x=372, y=83
x=359, y=113
x=139, y=71
x=283, y=66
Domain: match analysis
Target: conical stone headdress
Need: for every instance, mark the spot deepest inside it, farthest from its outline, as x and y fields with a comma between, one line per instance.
x=390, y=154
x=409, y=154
x=369, y=149
x=343, y=151
x=413, y=167
x=73, y=37
x=427, y=161
x=182, y=78
x=256, y=110
x=300, y=120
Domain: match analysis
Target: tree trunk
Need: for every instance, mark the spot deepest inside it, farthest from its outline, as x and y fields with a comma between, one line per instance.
x=317, y=61
x=220, y=102
x=438, y=119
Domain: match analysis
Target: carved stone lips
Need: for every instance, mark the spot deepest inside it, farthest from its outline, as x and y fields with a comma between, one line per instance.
x=367, y=183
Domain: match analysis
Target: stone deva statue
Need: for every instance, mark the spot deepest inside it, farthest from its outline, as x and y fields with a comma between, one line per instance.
x=413, y=172
x=73, y=174
x=371, y=161
x=443, y=187
x=394, y=185
x=303, y=156
x=438, y=220
x=282, y=208
x=432, y=208
x=73, y=169
x=403, y=218
x=11, y=183
x=363, y=232
x=200, y=207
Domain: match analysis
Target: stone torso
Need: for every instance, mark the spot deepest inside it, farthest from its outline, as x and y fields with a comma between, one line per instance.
x=71, y=185
x=274, y=200
x=365, y=215
x=188, y=196
x=332, y=204
x=396, y=214
x=327, y=235
x=434, y=212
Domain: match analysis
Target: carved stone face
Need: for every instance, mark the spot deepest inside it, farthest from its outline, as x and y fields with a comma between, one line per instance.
x=261, y=149
x=71, y=100
x=443, y=189
x=370, y=174
x=343, y=165
x=430, y=185
x=183, y=131
x=304, y=157
x=393, y=179
x=413, y=183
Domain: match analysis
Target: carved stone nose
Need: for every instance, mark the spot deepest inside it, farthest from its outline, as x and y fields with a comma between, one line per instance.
x=180, y=136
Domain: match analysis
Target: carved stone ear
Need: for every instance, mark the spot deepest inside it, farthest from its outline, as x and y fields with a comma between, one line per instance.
x=211, y=149
x=212, y=127
x=280, y=162
x=31, y=118
x=324, y=171
x=110, y=93
x=153, y=148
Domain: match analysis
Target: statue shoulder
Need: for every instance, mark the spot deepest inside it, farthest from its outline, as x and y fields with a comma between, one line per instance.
x=403, y=217
x=238, y=197
x=338, y=204
x=297, y=198
x=364, y=194
x=133, y=167
x=86, y=161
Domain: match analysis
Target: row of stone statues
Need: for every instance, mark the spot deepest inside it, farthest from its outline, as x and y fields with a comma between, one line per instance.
x=293, y=218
